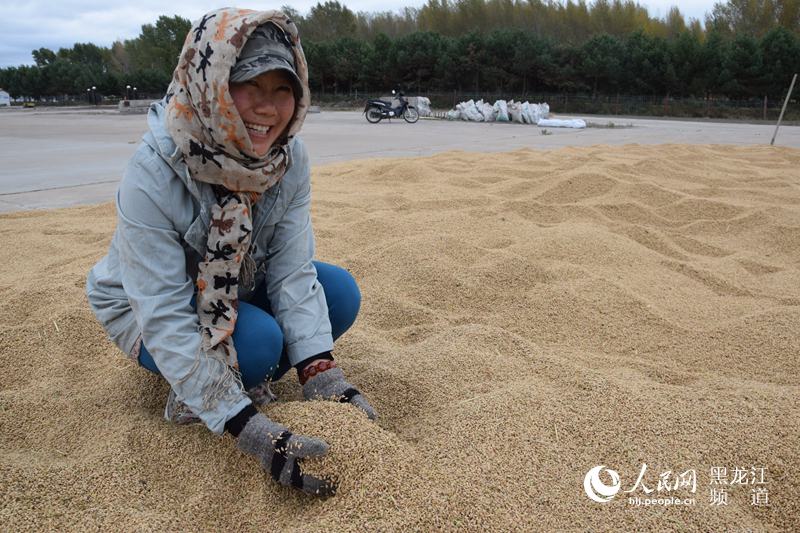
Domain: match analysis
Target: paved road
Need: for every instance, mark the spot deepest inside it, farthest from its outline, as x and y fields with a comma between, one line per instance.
x=58, y=158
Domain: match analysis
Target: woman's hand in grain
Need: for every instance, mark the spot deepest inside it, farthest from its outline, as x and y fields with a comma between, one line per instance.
x=331, y=385
x=280, y=452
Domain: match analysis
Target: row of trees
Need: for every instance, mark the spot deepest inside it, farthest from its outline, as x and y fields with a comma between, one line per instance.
x=145, y=62
x=747, y=48
x=517, y=62
x=568, y=22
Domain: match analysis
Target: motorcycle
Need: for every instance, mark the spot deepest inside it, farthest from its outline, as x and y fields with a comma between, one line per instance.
x=377, y=110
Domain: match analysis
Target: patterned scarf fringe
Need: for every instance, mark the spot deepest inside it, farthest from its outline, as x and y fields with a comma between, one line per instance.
x=218, y=388
x=247, y=274
x=221, y=380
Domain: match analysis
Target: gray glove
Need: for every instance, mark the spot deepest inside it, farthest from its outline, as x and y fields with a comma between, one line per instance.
x=280, y=453
x=331, y=385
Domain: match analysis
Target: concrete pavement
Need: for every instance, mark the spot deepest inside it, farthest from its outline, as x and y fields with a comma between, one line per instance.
x=62, y=157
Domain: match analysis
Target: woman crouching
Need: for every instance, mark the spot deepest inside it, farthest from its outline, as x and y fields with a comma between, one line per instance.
x=210, y=279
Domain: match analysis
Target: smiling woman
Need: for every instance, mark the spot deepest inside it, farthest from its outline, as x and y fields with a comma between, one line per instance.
x=264, y=86
x=210, y=280
x=266, y=105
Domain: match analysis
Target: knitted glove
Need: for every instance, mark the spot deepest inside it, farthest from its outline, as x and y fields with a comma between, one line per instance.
x=280, y=453
x=331, y=385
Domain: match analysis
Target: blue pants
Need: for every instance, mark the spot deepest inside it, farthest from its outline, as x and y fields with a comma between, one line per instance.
x=258, y=338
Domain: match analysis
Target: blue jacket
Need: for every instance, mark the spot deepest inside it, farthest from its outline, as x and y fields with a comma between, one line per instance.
x=145, y=284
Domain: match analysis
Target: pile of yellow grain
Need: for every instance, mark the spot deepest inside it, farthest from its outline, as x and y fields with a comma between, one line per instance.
x=526, y=316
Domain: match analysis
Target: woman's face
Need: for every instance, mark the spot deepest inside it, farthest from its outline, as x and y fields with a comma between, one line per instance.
x=266, y=105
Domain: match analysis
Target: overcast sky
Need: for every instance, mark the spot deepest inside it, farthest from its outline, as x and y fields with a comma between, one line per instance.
x=32, y=24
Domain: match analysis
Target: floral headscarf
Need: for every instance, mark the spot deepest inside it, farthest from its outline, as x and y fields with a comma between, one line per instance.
x=203, y=121
x=202, y=118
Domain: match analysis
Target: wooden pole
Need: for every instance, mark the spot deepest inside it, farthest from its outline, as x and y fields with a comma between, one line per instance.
x=785, y=103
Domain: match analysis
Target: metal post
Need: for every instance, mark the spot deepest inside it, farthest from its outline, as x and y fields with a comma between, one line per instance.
x=785, y=103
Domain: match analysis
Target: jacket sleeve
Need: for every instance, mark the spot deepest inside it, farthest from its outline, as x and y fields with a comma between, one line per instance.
x=294, y=293
x=153, y=271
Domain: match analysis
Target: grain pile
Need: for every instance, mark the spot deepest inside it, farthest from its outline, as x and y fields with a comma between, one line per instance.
x=526, y=316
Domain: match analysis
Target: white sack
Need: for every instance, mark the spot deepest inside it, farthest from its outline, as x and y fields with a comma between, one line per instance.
x=479, y=107
x=488, y=112
x=539, y=111
x=515, y=112
x=501, y=111
x=527, y=116
x=461, y=108
x=545, y=110
x=470, y=110
x=423, y=106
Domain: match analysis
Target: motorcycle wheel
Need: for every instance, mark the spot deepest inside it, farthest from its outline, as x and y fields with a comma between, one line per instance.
x=411, y=114
x=374, y=115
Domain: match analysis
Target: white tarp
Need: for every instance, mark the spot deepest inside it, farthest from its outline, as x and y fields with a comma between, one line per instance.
x=561, y=123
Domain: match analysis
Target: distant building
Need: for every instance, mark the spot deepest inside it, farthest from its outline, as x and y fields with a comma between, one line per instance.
x=5, y=98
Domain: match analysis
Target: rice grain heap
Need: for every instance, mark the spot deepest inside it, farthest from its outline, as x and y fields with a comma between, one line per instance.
x=526, y=316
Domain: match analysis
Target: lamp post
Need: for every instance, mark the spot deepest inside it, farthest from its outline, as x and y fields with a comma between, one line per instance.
x=134, y=93
x=88, y=94
x=94, y=95
x=127, y=92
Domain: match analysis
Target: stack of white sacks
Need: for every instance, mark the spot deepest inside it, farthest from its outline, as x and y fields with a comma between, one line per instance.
x=501, y=111
x=511, y=111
